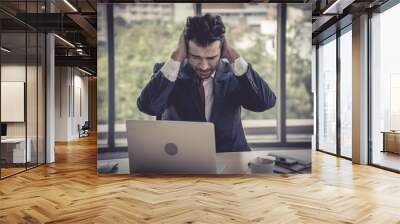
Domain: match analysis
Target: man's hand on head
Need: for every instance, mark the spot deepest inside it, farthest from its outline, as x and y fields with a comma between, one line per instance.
x=228, y=52
x=180, y=53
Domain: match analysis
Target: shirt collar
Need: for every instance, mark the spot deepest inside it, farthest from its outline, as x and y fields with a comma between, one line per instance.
x=211, y=77
x=213, y=74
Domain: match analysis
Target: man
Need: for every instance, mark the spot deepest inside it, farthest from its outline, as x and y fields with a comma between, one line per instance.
x=194, y=84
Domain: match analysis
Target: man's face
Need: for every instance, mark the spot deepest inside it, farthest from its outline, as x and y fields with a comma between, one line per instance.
x=204, y=60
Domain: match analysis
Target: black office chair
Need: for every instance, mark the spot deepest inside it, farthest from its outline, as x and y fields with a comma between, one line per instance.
x=84, y=130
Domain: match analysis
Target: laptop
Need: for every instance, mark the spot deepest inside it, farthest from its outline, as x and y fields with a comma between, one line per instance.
x=171, y=147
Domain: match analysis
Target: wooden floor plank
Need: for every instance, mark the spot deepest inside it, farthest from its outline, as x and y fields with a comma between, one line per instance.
x=70, y=191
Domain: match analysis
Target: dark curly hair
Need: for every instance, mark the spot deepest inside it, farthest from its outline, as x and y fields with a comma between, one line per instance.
x=204, y=29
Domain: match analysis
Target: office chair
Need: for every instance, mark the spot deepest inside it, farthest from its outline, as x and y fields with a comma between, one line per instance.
x=84, y=130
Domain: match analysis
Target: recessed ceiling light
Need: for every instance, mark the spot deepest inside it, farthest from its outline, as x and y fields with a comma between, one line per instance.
x=5, y=50
x=64, y=40
x=84, y=71
x=70, y=5
x=338, y=6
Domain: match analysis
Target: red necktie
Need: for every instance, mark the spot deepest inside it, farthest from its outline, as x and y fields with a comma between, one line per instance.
x=202, y=95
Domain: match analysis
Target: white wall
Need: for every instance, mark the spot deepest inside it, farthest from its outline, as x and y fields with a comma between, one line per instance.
x=12, y=101
x=61, y=103
x=13, y=72
x=71, y=87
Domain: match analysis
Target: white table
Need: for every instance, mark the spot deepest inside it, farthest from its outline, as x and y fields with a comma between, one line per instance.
x=232, y=162
x=18, y=149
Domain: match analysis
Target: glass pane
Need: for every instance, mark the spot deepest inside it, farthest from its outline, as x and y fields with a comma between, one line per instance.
x=385, y=83
x=32, y=86
x=299, y=100
x=327, y=96
x=31, y=98
x=346, y=94
x=252, y=30
x=13, y=86
x=41, y=98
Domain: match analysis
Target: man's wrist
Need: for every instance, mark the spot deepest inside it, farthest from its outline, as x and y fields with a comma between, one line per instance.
x=170, y=69
x=239, y=66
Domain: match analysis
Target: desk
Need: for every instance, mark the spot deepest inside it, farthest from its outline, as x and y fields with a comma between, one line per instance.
x=13, y=150
x=233, y=162
x=237, y=162
x=391, y=141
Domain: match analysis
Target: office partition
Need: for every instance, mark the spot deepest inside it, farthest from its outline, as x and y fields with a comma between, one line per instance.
x=22, y=77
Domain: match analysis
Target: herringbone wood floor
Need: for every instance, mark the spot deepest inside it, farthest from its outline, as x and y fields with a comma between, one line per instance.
x=70, y=191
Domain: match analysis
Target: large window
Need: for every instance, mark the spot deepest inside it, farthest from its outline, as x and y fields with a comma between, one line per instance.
x=252, y=29
x=327, y=95
x=385, y=87
x=144, y=34
x=334, y=93
x=299, y=100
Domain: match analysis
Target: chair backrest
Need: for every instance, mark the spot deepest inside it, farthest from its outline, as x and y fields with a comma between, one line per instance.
x=86, y=125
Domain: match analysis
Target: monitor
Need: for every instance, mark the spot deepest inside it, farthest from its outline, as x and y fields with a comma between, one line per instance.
x=3, y=129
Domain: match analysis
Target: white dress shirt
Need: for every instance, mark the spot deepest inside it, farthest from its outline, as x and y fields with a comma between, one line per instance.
x=171, y=69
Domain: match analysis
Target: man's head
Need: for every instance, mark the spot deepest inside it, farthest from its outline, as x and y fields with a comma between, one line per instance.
x=204, y=36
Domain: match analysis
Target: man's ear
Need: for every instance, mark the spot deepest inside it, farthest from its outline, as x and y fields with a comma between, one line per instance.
x=187, y=45
x=222, y=45
x=186, y=38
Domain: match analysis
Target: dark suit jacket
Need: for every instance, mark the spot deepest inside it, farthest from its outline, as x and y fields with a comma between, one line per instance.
x=180, y=100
